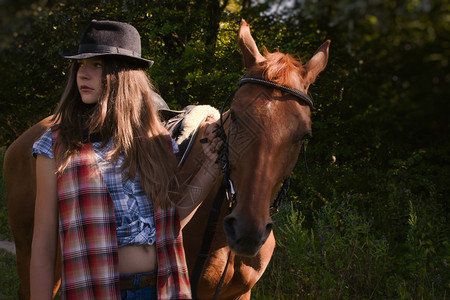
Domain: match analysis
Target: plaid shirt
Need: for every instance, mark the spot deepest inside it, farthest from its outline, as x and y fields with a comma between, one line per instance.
x=133, y=211
x=88, y=237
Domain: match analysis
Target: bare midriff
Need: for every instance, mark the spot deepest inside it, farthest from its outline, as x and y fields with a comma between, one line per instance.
x=137, y=259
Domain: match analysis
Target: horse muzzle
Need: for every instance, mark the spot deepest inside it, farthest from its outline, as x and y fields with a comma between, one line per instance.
x=244, y=238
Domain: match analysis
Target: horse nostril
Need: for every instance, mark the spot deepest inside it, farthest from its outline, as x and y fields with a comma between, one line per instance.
x=268, y=230
x=228, y=225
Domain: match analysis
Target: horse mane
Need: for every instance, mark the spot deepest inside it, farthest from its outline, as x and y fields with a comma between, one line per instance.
x=282, y=68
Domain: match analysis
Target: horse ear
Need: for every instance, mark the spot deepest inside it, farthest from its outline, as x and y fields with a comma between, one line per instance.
x=317, y=63
x=248, y=46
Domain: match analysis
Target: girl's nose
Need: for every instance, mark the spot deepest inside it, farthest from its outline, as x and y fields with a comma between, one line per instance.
x=83, y=72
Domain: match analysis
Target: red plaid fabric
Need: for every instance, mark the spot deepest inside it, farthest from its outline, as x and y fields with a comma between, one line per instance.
x=173, y=278
x=87, y=231
x=89, y=243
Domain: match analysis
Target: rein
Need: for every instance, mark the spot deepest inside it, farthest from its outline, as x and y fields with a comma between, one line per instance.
x=226, y=188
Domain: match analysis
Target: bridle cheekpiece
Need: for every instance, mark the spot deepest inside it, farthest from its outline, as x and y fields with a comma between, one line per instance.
x=223, y=153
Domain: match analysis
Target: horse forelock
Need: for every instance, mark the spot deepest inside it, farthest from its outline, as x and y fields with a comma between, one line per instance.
x=283, y=69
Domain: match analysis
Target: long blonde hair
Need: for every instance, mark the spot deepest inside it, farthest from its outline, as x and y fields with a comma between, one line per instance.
x=124, y=113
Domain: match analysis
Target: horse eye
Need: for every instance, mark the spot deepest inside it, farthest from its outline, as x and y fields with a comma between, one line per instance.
x=305, y=138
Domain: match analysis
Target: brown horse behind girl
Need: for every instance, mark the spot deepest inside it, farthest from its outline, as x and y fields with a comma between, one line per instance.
x=266, y=127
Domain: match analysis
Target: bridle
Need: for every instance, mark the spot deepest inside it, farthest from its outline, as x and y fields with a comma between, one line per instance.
x=223, y=153
x=226, y=188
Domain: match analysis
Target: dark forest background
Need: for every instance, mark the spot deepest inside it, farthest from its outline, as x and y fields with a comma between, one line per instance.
x=371, y=218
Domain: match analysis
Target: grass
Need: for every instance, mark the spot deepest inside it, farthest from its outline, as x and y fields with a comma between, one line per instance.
x=9, y=282
x=342, y=256
x=5, y=232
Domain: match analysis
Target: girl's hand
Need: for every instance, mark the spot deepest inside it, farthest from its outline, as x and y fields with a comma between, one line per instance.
x=211, y=142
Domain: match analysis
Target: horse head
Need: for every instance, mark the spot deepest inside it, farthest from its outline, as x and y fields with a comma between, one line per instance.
x=267, y=127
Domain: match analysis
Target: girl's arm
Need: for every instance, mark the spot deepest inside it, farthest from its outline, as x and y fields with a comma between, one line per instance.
x=45, y=236
x=193, y=193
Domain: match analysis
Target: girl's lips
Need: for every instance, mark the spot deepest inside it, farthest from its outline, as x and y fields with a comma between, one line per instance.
x=85, y=88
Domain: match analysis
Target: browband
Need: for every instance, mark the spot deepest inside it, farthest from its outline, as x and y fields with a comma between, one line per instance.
x=297, y=93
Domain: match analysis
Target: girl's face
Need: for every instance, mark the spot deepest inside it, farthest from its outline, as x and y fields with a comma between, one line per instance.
x=90, y=79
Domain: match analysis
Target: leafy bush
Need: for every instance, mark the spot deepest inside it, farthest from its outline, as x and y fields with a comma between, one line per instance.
x=9, y=283
x=5, y=232
x=338, y=258
x=342, y=253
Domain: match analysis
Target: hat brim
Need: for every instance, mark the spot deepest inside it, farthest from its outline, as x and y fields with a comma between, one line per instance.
x=146, y=63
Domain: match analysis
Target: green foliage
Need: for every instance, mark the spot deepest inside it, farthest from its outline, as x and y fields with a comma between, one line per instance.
x=9, y=283
x=339, y=258
x=5, y=232
x=342, y=257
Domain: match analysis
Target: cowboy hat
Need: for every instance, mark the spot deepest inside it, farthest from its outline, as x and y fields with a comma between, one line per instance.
x=110, y=38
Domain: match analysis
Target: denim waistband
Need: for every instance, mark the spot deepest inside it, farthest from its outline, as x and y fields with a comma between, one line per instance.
x=136, y=277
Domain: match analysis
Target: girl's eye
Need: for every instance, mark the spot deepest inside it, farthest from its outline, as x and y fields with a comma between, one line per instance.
x=98, y=65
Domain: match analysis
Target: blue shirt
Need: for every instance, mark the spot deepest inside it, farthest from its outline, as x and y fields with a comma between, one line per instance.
x=133, y=210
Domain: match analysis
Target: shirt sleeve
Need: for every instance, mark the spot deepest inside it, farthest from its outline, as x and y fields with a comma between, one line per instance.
x=43, y=146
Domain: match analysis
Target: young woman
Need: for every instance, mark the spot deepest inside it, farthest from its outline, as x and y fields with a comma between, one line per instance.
x=104, y=175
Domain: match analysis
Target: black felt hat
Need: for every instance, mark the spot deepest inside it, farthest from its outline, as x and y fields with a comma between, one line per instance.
x=110, y=38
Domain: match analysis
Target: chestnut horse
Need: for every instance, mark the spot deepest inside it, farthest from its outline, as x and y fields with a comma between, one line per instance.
x=265, y=128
